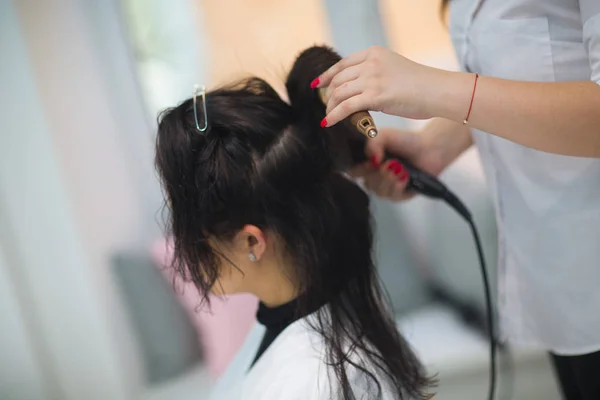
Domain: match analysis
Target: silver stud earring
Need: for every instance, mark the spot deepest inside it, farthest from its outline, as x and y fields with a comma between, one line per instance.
x=252, y=257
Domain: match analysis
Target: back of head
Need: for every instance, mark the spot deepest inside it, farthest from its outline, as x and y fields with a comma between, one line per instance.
x=267, y=163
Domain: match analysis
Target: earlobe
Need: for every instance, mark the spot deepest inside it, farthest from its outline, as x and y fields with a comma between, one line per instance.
x=255, y=242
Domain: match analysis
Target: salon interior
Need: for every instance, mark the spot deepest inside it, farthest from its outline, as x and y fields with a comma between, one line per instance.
x=87, y=309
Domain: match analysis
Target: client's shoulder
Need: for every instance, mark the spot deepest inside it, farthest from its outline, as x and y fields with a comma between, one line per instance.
x=301, y=368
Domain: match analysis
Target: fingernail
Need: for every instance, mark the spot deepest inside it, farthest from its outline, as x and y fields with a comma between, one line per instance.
x=324, y=123
x=393, y=165
x=374, y=162
x=404, y=176
x=399, y=168
x=315, y=83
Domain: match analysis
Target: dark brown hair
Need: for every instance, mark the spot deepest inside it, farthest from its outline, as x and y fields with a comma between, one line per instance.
x=266, y=163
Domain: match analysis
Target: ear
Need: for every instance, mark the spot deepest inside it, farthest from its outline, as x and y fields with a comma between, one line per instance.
x=253, y=240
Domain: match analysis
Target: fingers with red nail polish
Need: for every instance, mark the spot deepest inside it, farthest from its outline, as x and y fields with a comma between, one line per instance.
x=402, y=173
x=392, y=181
x=396, y=167
x=399, y=169
x=315, y=83
x=387, y=179
x=392, y=165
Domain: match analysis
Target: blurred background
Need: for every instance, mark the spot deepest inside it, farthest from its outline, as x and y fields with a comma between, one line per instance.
x=86, y=309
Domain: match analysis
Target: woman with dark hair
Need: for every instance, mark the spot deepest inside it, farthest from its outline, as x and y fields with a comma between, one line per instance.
x=257, y=204
x=528, y=97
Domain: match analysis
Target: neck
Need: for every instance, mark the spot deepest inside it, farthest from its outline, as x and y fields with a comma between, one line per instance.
x=274, y=288
x=278, y=295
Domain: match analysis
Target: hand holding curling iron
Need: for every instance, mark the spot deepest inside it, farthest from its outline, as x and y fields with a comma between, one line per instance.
x=380, y=80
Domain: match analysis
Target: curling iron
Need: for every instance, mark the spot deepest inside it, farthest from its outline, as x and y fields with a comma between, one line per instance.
x=419, y=181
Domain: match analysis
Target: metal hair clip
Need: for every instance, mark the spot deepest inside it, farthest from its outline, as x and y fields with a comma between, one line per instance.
x=200, y=89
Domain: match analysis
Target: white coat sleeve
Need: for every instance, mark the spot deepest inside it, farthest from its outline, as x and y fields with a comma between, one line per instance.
x=590, y=17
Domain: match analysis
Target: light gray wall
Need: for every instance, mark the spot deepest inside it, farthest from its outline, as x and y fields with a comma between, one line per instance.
x=76, y=184
x=355, y=24
x=170, y=53
x=20, y=374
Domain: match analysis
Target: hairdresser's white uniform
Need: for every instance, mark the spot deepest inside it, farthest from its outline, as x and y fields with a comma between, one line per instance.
x=548, y=206
x=292, y=368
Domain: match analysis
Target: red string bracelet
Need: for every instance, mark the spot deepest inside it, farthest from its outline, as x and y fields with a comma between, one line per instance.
x=466, y=120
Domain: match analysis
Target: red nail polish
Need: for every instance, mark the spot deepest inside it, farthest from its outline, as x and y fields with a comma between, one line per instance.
x=399, y=169
x=374, y=162
x=324, y=123
x=315, y=83
x=393, y=165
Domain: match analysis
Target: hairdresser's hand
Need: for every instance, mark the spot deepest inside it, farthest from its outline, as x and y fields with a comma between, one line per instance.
x=432, y=149
x=380, y=80
x=389, y=180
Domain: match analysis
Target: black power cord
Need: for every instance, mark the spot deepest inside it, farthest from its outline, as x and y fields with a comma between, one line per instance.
x=489, y=306
x=429, y=186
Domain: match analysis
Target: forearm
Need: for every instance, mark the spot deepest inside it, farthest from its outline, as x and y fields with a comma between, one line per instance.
x=557, y=117
x=447, y=138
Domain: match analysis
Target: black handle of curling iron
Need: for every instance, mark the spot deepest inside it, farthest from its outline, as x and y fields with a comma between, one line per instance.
x=420, y=181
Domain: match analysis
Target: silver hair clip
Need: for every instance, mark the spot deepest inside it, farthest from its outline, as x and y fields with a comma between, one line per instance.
x=200, y=89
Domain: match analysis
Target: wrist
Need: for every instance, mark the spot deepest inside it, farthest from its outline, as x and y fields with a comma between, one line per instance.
x=446, y=139
x=452, y=92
